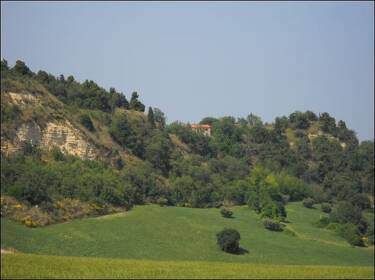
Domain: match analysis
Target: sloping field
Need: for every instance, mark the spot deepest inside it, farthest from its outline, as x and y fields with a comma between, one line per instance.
x=154, y=241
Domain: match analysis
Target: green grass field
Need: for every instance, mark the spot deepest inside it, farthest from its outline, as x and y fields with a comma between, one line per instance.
x=183, y=237
x=37, y=266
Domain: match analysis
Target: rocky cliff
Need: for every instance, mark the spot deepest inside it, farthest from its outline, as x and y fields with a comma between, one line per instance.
x=60, y=133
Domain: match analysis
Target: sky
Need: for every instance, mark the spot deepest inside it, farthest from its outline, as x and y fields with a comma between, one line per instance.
x=199, y=59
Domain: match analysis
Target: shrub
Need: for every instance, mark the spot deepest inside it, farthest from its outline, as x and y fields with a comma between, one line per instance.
x=351, y=233
x=162, y=201
x=85, y=120
x=308, y=202
x=35, y=217
x=57, y=154
x=272, y=225
x=326, y=207
x=228, y=240
x=323, y=222
x=226, y=213
x=333, y=226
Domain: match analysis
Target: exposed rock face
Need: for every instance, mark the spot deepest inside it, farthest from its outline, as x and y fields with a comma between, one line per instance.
x=60, y=134
x=23, y=98
x=68, y=139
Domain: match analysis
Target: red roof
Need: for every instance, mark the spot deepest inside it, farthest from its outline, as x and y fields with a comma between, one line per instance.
x=200, y=126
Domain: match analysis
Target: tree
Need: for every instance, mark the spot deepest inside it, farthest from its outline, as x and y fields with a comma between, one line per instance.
x=4, y=65
x=254, y=120
x=157, y=151
x=281, y=124
x=344, y=212
x=21, y=68
x=299, y=120
x=150, y=117
x=311, y=116
x=228, y=240
x=208, y=120
x=135, y=104
x=159, y=118
x=327, y=123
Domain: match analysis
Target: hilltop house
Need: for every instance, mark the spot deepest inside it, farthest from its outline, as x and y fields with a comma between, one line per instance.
x=205, y=128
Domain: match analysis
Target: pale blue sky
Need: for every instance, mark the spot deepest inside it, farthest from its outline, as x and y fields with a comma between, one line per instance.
x=193, y=59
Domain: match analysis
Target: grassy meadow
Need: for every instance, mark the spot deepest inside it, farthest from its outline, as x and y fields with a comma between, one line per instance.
x=180, y=242
x=38, y=266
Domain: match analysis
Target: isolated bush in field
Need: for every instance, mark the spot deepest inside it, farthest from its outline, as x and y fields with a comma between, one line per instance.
x=228, y=240
x=272, y=225
x=162, y=201
x=226, y=213
x=308, y=202
x=326, y=207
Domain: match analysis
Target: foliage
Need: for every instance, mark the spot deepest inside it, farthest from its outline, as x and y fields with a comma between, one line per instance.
x=135, y=104
x=228, y=240
x=272, y=225
x=85, y=120
x=308, y=202
x=226, y=213
x=351, y=234
x=150, y=117
x=344, y=212
x=326, y=207
x=243, y=161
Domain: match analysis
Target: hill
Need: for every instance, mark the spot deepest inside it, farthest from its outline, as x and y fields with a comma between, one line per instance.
x=72, y=150
x=178, y=235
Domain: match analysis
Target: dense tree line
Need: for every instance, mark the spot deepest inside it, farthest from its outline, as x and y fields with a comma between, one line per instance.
x=88, y=94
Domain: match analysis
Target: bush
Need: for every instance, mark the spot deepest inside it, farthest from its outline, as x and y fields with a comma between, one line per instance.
x=308, y=202
x=272, y=225
x=162, y=201
x=86, y=122
x=351, y=233
x=326, y=207
x=226, y=213
x=323, y=222
x=228, y=240
x=57, y=154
